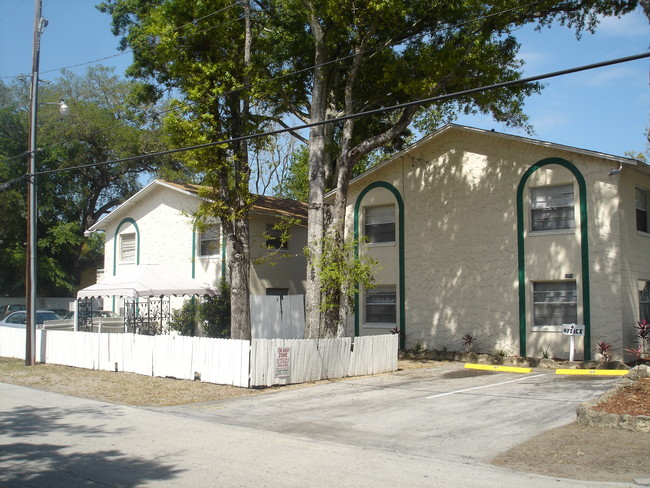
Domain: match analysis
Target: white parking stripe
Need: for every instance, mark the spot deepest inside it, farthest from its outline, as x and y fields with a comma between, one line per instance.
x=485, y=386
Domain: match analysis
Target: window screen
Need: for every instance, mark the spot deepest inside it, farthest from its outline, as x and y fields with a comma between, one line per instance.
x=552, y=208
x=381, y=305
x=380, y=223
x=555, y=303
x=210, y=241
x=644, y=300
x=127, y=248
x=641, y=202
x=274, y=238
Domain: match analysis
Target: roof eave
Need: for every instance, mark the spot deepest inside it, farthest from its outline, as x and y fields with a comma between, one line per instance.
x=618, y=159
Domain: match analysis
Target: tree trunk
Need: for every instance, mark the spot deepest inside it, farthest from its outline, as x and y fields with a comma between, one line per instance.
x=317, y=156
x=238, y=239
x=239, y=267
x=315, y=229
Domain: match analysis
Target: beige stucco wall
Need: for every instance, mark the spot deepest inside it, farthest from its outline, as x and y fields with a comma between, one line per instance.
x=277, y=269
x=635, y=251
x=165, y=233
x=461, y=270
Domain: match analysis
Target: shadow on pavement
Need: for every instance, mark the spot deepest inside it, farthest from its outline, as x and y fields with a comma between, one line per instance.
x=51, y=466
x=33, y=464
x=28, y=421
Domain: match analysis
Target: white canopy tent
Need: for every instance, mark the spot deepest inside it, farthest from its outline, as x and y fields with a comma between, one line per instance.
x=147, y=280
x=146, y=290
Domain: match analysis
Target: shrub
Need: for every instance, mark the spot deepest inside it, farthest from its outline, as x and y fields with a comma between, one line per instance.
x=603, y=348
x=213, y=313
x=468, y=341
x=183, y=320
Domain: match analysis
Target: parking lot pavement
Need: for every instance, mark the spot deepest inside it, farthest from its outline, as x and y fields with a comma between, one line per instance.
x=445, y=411
x=420, y=428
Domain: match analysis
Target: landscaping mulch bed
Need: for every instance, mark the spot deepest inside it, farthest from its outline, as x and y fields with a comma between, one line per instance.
x=633, y=399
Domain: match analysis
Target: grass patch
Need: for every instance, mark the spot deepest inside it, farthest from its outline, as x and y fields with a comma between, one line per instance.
x=121, y=388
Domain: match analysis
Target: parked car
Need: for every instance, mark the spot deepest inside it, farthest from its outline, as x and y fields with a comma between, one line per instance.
x=102, y=314
x=12, y=307
x=19, y=319
x=61, y=312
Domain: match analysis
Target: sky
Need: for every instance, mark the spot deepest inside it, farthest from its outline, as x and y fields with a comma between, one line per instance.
x=605, y=110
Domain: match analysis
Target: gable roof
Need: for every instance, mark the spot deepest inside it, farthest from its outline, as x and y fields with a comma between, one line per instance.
x=263, y=204
x=621, y=160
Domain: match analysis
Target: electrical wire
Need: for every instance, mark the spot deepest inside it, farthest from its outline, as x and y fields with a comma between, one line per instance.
x=395, y=41
x=424, y=101
x=193, y=22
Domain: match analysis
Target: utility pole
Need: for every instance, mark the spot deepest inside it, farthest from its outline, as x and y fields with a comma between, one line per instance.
x=30, y=278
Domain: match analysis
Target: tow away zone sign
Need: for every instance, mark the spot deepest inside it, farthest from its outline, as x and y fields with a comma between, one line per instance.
x=282, y=362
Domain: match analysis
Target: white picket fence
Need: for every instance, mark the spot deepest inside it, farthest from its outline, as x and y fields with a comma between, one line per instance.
x=265, y=362
x=283, y=361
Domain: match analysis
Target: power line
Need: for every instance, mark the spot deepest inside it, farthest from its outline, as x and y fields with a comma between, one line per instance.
x=186, y=104
x=367, y=113
x=86, y=63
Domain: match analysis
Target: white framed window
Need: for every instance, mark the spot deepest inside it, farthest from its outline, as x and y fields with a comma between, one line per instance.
x=555, y=303
x=644, y=300
x=127, y=248
x=552, y=208
x=641, y=204
x=210, y=241
x=381, y=305
x=380, y=223
x=274, y=238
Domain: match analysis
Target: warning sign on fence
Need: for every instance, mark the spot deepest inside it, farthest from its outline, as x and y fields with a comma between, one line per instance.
x=282, y=362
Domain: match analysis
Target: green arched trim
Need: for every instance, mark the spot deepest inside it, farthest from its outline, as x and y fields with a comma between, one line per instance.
x=125, y=221
x=584, y=244
x=401, y=286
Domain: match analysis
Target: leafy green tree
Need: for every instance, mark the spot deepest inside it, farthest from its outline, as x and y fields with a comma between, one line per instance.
x=323, y=61
x=184, y=320
x=295, y=184
x=341, y=270
x=201, y=52
x=13, y=211
x=212, y=314
x=103, y=126
x=215, y=312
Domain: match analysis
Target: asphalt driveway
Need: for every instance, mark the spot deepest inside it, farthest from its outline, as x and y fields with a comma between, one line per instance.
x=427, y=427
x=448, y=412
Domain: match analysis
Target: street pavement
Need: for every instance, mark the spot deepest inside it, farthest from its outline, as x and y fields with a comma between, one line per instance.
x=427, y=427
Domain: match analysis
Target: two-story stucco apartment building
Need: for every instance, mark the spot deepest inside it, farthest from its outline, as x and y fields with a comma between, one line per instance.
x=156, y=227
x=505, y=238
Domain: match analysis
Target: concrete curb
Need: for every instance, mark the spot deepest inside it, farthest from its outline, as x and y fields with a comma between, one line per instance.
x=489, y=367
x=586, y=415
x=593, y=372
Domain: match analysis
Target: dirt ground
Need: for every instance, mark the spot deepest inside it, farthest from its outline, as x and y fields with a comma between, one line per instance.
x=574, y=451
x=121, y=388
x=589, y=452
